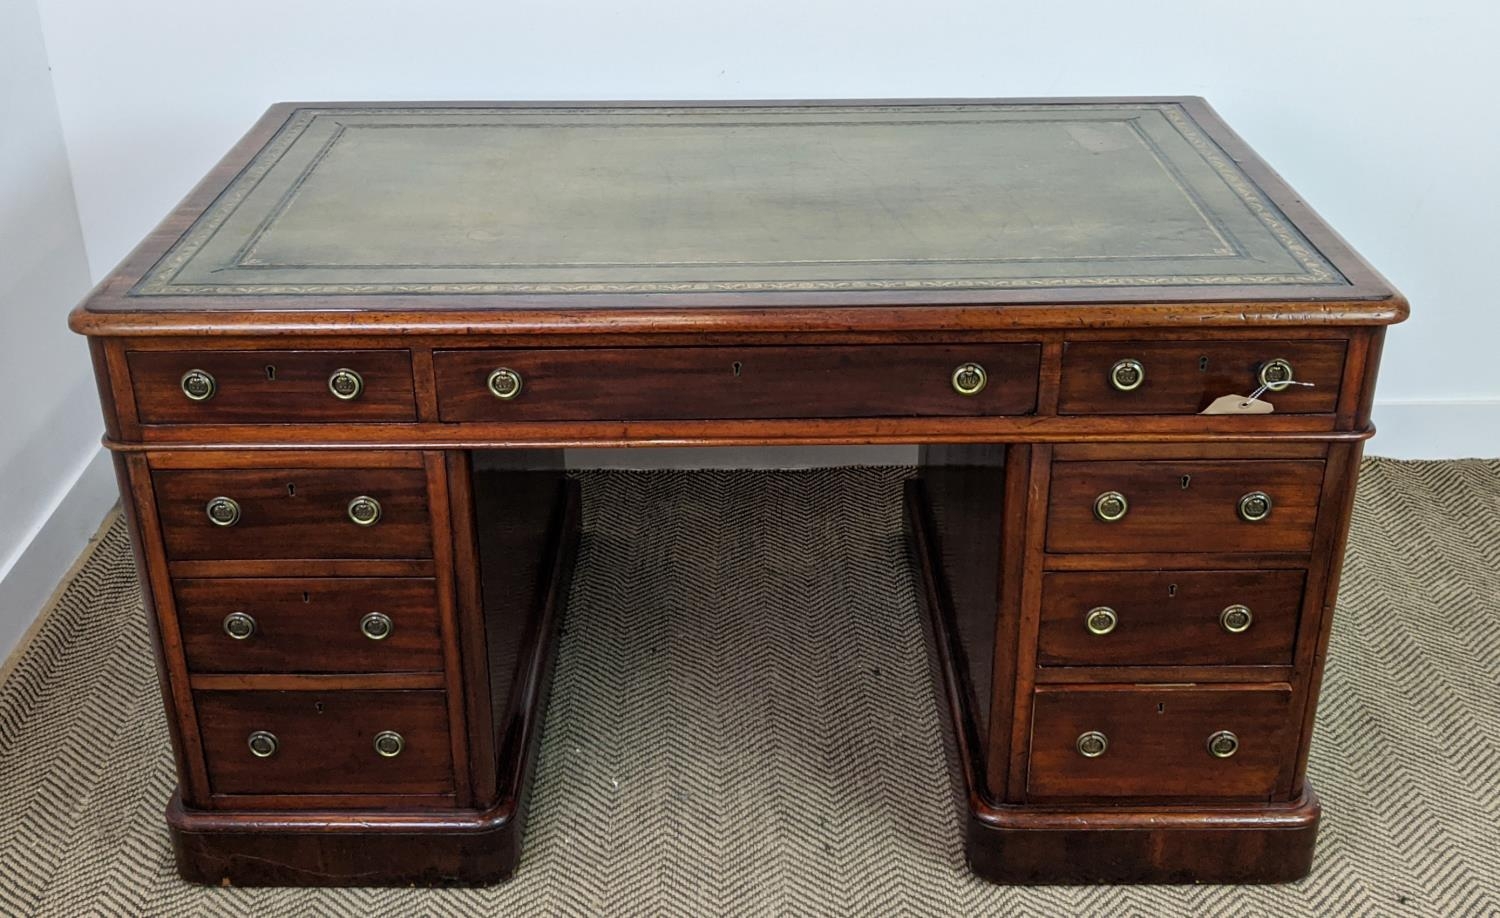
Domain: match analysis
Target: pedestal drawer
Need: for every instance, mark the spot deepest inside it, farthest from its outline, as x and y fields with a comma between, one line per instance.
x=1236, y=505
x=334, y=742
x=310, y=625
x=1158, y=741
x=231, y=514
x=272, y=387
x=1169, y=618
x=685, y=383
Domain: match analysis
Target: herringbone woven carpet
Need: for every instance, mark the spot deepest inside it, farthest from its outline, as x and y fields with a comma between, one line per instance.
x=740, y=725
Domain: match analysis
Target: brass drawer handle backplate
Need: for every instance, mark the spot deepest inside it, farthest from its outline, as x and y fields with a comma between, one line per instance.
x=346, y=384
x=364, y=510
x=969, y=379
x=1127, y=375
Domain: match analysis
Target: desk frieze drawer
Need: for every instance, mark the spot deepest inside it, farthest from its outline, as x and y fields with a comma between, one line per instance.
x=309, y=625
x=272, y=387
x=244, y=514
x=1183, y=377
x=1233, y=505
x=335, y=742
x=685, y=383
x=1159, y=741
x=1169, y=618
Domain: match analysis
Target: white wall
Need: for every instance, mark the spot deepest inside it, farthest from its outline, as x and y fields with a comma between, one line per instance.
x=1380, y=113
x=54, y=488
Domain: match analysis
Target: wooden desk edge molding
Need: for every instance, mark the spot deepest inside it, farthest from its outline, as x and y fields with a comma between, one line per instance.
x=338, y=379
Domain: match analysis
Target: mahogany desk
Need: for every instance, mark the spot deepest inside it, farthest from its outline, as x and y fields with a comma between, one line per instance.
x=338, y=380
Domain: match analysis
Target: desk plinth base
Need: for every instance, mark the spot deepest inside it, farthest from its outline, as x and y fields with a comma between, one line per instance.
x=407, y=848
x=1038, y=845
x=343, y=849
x=1041, y=845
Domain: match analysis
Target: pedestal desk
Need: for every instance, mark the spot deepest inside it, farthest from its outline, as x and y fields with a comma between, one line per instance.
x=339, y=378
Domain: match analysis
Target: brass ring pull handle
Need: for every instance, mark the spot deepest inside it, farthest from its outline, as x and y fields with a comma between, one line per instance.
x=1223, y=744
x=1111, y=506
x=223, y=511
x=1101, y=620
x=1127, y=375
x=389, y=743
x=364, y=510
x=1236, y=619
x=1092, y=744
x=377, y=626
x=969, y=379
x=262, y=744
x=1255, y=506
x=504, y=383
x=198, y=385
x=1276, y=374
x=346, y=384
x=239, y=625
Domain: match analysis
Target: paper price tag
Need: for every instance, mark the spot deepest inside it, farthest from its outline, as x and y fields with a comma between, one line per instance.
x=1238, y=404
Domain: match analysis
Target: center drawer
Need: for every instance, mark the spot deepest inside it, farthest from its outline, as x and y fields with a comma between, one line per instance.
x=310, y=625
x=685, y=383
x=1229, y=505
x=335, y=742
x=1158, y=741
x=234, y=514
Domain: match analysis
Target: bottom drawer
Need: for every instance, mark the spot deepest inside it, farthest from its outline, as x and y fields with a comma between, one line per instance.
x=335, y=742
x=1159, y=741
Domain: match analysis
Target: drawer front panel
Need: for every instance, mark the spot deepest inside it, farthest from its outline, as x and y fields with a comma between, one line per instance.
x=310, y=625
x=1184, y=377
x=324, y=742
x=1156, y=742
x=272, y=387
x=1184, y=506
x=293, y=513
x=684, y=383
x=1169, y=618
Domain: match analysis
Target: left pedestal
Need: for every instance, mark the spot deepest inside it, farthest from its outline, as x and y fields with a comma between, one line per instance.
x=355, y=648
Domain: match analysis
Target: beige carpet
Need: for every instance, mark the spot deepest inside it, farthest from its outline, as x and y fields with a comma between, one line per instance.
x=740, y=725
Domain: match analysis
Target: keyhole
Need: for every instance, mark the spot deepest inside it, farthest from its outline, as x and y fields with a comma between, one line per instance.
x=1161, y=708
x=1202, y=364
x=270, y=372
x=1186, y=480
x=291, y=490
x=737, y=367
x=1172, y=591
x=306, y=596
x=318, y=706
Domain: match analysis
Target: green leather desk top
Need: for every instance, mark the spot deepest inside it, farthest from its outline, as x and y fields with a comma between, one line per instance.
x=702, y=199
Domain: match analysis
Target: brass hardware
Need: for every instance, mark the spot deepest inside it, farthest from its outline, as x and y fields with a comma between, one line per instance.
x=504, y=383
x=346, y=384
x=1127, y=375
x=1092, y=744
x=1101, y=620
x=377, y=626
x=198, y=385
x=364, y=511
x=1111, y=506
x=1276, y=374
x=223, y=511
x=389, y=743
x=262, y=744
x=1255, y=506
x=1223, y=744
x=239, y=625
x=969, y=379
x=1236, y=618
